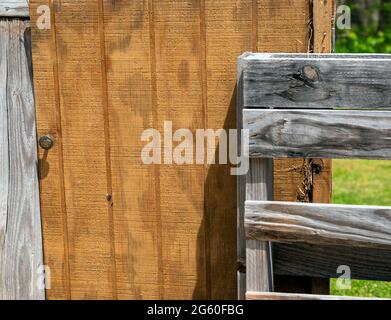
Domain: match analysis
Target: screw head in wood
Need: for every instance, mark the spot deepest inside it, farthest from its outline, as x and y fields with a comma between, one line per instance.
x=46, y=142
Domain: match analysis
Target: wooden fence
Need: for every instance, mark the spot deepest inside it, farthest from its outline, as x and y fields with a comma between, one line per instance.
x=103, y=72
x=292, y=86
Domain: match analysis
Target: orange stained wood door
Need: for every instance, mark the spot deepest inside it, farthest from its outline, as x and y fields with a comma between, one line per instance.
x=106, y=70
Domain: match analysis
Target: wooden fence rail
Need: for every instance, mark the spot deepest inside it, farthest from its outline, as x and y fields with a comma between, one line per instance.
x=319, y=134
x=325, y=224
x=325, y=81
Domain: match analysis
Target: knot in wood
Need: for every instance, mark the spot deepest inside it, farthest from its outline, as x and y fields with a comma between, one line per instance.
x=311, y=73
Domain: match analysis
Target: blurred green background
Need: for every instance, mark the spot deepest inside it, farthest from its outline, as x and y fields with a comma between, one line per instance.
x=364, y=181
x=371, y=27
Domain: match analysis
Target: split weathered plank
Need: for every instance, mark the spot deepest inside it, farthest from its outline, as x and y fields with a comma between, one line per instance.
x=324, y=224
x=21, y=257
x=319, y=134
x=14, y=8
x=316, y=81
x=307, y=260
x=298, y=296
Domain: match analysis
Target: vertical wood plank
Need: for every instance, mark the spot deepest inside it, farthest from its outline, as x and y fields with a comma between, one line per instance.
x=87, y=216
x=4, y=155
x=87, y=173
x=179, y=93
x=21, y=240
x=224, y=21
x=256, y=184
x=323, y=21
x=131, y=77
x=51, y=173
x=259, y=269
x=163, y=62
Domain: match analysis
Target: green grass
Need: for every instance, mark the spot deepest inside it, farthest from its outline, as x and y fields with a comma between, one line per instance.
x=362, y=182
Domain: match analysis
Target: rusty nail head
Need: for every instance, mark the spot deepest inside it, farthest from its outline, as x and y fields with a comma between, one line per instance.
x=46, y=142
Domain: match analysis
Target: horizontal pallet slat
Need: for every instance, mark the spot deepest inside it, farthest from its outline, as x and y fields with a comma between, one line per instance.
x=307, y=260
x=298, y=296
x=320, y=224
x=14, y=8
x=316, y=81
x=319, y=134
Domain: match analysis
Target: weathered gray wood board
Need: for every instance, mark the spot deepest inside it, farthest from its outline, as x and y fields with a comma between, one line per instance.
x=287, y=222
x=259, y=185
x=14, y=8
x=323, y=261
x=254, y=257
x=20, y=224
x=297, y=296
x=319, y=134
x=316, y=81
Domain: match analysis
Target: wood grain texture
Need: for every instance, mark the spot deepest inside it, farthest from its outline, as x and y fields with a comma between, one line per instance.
x=316, y=81
x=51, y=163
x=14, y=8
x=259, y=269
x=21, y=259
x=131, y=83
x=176, y=263
x=317, y=134
x=4, y=153
x=323, y=261
x=223, y=21
x=162, y=61
x=84, y=265
x=323, y=25
x=296, y=296
x=324, y=224
x=256, y=184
